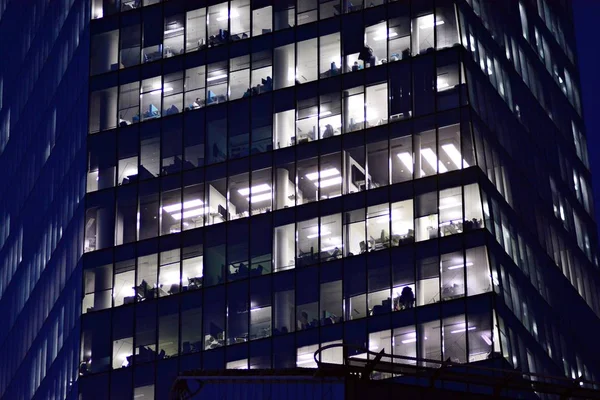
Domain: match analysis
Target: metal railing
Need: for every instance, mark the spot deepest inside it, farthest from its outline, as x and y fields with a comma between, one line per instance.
x=497, y=379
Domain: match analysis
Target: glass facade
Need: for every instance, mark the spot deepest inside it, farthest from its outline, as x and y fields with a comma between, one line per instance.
x=43, y=121
x=265, y=178
x=256, y=179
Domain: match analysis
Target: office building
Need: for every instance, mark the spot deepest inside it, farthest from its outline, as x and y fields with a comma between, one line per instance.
x=44, y=58
x=263, y=178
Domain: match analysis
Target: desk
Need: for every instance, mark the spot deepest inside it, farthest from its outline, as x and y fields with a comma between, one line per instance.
x=211, y=342
x=169, y=52
x=331, y=255
x=238, y=271
x=450, y=292
x=451, y=228
x=306, y=259
x=348, y=7
x=152, y=56
x=472, y=224
x=155, y=293
x=130, y=5
x=398, y=240
x=382, y=242
x=194, y=283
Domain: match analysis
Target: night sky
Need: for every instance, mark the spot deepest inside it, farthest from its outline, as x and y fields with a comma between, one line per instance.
x=587, y=21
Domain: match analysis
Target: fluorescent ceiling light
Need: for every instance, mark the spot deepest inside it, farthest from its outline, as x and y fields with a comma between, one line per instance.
x=382, y=36
x=216, y=77
x=186, y=204
x=454, y=155
x=264, y=187
x=412, y=337
x=315, y=235
x=428, y=22
x=446, y=206
x=406, y=159
x=430, y=157
x=463, y=329
x=326, y=173
x=224, y=16
x=191, y=213
x=260, y=197
x=168, y=89
x=469, y=264
x=173, y=30
x=320, y=115
x=329, y=182
x=486, y=339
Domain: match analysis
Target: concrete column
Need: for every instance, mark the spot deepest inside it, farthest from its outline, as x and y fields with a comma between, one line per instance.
x=102, y=280
x=284, y=314
x=106, y=177
x=282, y=63
x=282, y=245
x=107, y=109
x=280, y=15
x=119, y=227
x=345, y=172
x=284, y=128
x=282, y=185
x=103, y=228
x=346, y=111
x=105, y=48
x=417, y=161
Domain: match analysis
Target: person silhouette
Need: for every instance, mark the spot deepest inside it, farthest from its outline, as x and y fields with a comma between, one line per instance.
x=303, y=321
x=366, y=56
x=407, y=298
x=336, y=254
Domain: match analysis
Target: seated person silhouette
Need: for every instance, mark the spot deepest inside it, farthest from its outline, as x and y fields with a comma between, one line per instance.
x=187, y=348
x=336, y=253
x=303, y=321
x=243, y=269
x=366, y=56
x=407, y=298
x=142, y=290
x=383, y=238
x=363, y=247
x=258, y=271
x=329, y=132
